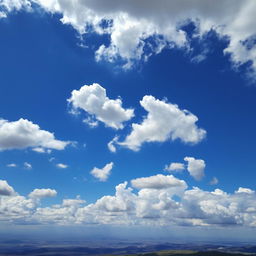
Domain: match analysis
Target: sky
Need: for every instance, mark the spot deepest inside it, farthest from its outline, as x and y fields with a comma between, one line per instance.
x=128, y=115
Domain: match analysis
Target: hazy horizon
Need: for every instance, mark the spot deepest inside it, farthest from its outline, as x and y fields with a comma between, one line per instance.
x=111, y=236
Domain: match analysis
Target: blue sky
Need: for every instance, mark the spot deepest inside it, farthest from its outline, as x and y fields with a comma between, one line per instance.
x=177, y=95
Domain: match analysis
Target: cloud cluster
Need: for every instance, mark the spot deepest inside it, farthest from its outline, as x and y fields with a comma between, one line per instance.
x=139, y=29
x=94, y=101
x=23, y=134
x=164, y=121
x=155, y=203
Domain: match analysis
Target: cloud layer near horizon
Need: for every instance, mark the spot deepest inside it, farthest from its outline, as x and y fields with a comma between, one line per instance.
x=154, y=203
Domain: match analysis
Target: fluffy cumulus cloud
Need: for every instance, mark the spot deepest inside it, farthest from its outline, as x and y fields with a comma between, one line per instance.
x=42, y=193
x=164, y=121
x=23, y=134
x=64, y=213
x=121, y=202
x=104, y=173
x=94, y=101
x=17, y=209
x=153, y=203
x=20, y=209
x=138, y=29
x=195, y=167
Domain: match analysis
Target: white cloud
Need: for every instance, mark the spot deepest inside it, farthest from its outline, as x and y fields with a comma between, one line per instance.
x=12, y=165
x=12, y=5
x=214, y=181
x=6, y=189
x=41, y=150
x=51, y=159
x=111, y=144
x=65, y=213
x=42, y=193
x=128, y=30
x=219, y=207
x=178, y=167
x=62, y=166
x=120, y=203
x=158, y=182
x=91, y=122
x=102, y=174
x=93, y=100
x=245, y=190
x=195, y=167
x=23, y=134
x=3, y=15
x=131, y=23
x=165, y=121
x=27, y=165
x=17, y=209
x=73, y=202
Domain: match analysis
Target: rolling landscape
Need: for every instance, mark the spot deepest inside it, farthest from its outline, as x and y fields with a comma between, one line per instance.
x=167, y=249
